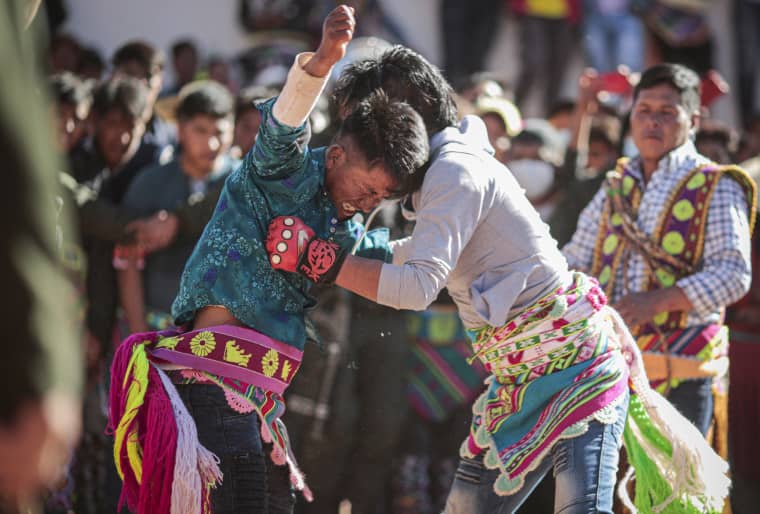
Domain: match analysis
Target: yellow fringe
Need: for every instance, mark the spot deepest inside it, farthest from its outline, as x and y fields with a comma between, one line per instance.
x=137, y=377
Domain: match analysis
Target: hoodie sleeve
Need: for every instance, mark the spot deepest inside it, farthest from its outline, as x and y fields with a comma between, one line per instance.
x=450, y=208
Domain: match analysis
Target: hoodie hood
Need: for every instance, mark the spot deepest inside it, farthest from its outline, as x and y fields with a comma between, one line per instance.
x=469, y=136
x=470, y=133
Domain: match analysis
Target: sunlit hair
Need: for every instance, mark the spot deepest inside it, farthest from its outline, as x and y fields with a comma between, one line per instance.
x=677, y=76
x=128, y=95
x=391, y=133
x=404, y=75
x=204, y=98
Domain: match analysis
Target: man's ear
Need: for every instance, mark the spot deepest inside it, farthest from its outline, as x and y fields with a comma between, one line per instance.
x=335, y=154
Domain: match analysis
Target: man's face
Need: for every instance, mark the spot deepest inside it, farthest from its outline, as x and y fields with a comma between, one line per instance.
x=600, y=155
x=117, y=137
x=153, y=81
x=246, y=129
x=204, y=139
x=70, y=125
x=186, y=65
x=353, y=185
x=659, y=123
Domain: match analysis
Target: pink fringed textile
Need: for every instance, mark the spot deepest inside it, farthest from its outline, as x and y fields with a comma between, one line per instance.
x=151, y=494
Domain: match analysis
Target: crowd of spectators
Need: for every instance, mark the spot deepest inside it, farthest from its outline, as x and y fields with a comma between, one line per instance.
x=146, y=158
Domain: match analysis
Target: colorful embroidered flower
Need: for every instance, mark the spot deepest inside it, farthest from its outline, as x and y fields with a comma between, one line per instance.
x=270, y=362
x=203, y=343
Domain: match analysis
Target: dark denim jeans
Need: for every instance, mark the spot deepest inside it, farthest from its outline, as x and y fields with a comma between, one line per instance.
x=585, y=470
x=252, y=484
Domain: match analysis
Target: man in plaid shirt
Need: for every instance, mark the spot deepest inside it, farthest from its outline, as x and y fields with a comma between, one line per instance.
x=668, y=237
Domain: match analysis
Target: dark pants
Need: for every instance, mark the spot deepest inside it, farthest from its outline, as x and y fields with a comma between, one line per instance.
x=546, y=46
x=694, y=399
x=252, y=484
x=468, y=30
x=747, y=21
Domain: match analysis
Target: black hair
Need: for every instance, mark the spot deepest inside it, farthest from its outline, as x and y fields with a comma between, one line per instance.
x=677, y=76
x=529, y=137
x=392, y=133
x=718, y=133
x=478, y=79
x=67, y=88
x=90, y=58
x=250, y=97
x=182, y=45
x=149, y=58
x=406, y=76
x=561, y=106
x=204, y=97
x=128, y=95
x=605, y=129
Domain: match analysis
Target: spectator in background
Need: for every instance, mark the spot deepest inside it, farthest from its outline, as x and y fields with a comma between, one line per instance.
x=142, y=61
x=716, y=141
x=749, y=143
x=481, y=84
x=532, y=165
x=677, y=33
x=560, y=114
x=747, y=41
x=108, y=162
x=670, y=288
x=218, y=69
x=441, y=386
x=205, y=118
x=63, y=53
x=503, y=121
x=185, y=61
x=468, y=30
x=592, y=150
x=248, y=118
x=91, y=64
x=73, y=99
x=612, y=35
x=547, y=41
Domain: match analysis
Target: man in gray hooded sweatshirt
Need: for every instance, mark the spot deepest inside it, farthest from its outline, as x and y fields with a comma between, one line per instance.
x=559, y=358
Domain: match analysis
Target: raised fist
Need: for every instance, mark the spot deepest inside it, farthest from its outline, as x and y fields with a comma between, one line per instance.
x=337, y=31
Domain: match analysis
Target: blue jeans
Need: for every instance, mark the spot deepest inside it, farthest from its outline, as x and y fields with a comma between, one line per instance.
x=613, y=39
x=252, y=484
x=585, y=470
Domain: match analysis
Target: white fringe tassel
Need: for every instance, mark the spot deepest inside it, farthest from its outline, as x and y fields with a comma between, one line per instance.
x=694, y=469
x=195, y=467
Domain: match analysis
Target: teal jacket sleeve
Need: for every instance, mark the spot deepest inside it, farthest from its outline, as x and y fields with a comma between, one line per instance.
x=374, y=245
x=280, y=150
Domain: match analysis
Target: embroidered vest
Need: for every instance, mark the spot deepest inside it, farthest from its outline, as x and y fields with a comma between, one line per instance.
x=675, y=248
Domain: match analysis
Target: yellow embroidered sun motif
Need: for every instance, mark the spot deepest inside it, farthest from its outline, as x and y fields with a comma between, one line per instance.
x=285, y=373
x=270, y=362
x=234, y=354
x=203, y=343
x=168, y=342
